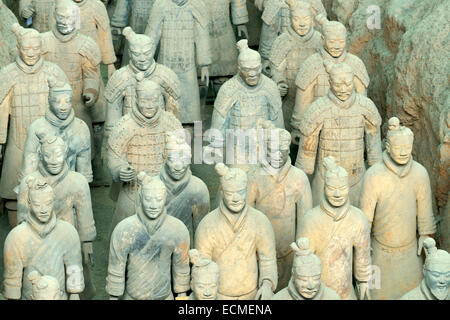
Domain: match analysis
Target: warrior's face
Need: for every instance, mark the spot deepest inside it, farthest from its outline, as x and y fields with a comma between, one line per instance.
x=335, y=42
x=153, y=200
x=41, y=204
x=30, y=49
x=250, y=71
x=336, y=190
x=142, y=56
x=234, y=196
x=205, y=285
x=66, y=17
x=61, y=103
x=342, y=84
x=149, y=102
x=53, y=157
x=307, y=286
x=277, y=153
x=177, y=164
x=302, y=22
x=399, y=148
x=437, y=278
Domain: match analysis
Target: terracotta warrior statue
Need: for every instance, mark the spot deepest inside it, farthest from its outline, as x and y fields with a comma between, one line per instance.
x=282, y=192
x=187, y=196
x=148, y=257
x=290, y=50
x=121, y=88
x=240, y=240
x=305, y=282
x=78, y=55
x=205, y=276
x=276, y=19
x=137, y=143
x=23, y=99
x=436, y=275
x=313, y=79
x=343, y=124
x=8, y=40
x=339, y=235
x=43, y=243
x=132, y=13
x=181, y=28
x=40, y=11
x=44, y=287
x=245, y=101
x=60, y=121
x=72, y=201
x=396, y=198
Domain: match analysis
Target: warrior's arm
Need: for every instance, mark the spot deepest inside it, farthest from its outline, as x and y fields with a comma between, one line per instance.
x=359, y=86
x=203, y=241
x=180, y=263
x=155, y=21
x=307, y=149
x=268, y=35
x=362, y=260
x=91, y=75
x=117, y=264
x=83, y=163
x=276, y=111
x=305, y=231
x=22, y=202
x=114, y=112
x=73, y=262
x=30, y=158
x=368, y=198
x=201, y=208
x=13, y=269
x=104, y=37
x=26, y=9
x=202, y=45
x=252, y=190
x=83, y=210
x=239, y=14
x=277, y=69
x=5, y=109
x=425, y=218
x=267, y=256
x=373, y=141
x=116, y=159
x=303, y=99
x=304, y=200
x=218, y=123
x=121, y=13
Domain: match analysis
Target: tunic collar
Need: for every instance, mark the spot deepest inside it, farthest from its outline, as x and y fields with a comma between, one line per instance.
x=426, y=291
x=51, y=179
x=326, y=55
x=151, y=225
x=300, y=38
x=174, y=187
x=142, y=120
x=399, y=170
x=297, y=296
x=147, y=72
x=42, y=229
x=29, y=69
x=277, y=174
x=64, y=37
x=342, y=104
x=57, y=122
x=335, y=213
x=230, y=217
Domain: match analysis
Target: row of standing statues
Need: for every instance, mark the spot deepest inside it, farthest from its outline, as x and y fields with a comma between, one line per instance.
x=312, y=204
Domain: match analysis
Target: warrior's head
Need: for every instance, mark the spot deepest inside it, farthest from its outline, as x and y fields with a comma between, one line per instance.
x=306, y=269
x=302, y=16
x=233, y=182
x=178, y=155
x=60, y=98
x=334, y=36
x=399, y=142
x=52, y=152
x=149, y=97
x=141, y=49
x=277, y=142
x=40, y=199
x=44, y=287
x=336, y=183
x=249, y=63
x=436, y=270
x=151, y=197
x=341, y=79
x=67, y=16
x=205, y=276
x=28, y=43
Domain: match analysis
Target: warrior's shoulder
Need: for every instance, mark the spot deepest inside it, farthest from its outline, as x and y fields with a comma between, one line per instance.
x=168, y=78
x=359, y=68
x=258, y=217
x=420, y=171
x=79, y=180
x=210, y=220
x=39, y=123
x=226, y=95
x=120, y=79
x=280, y=49
x=200, y=12
x=9, y=75
x=169, y=121
x=100, y=13
x=358, y=216
x=272, y=11
x=414, y=294
x=89, y=49
x=309, y=70
x=53, y=69
x=317, y=108
x=369, y=108
x=67, y=230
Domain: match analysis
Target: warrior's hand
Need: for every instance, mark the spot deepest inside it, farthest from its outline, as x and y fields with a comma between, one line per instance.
x=88, y=253
x=126, y=174
x=265, y=65
x=283, y=88
x=116, y=31
x=205, y=75
x=259, y=4
x=364, y=290
x=89, y=99
x=295, y=136
x=242, y=29
x=420, y=244
x=111, y=70
x=27, y=12
x=265, y=291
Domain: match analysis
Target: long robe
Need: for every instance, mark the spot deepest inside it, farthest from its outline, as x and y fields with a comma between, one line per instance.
x=187, y=199
x=421, y=292
x=243, y=245
x=146, y=256
x=53, y=249
x=291, y=293
x=283, y=196
x=341, y=239
x=397, y=201
x=184, y=44
x=72, y=130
